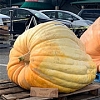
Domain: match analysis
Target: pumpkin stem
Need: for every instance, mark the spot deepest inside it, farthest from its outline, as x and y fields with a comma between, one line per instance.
x=25, y=58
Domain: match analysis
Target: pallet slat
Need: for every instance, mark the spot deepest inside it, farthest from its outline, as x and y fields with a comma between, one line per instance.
x=20, y=95
x=85, y=89
x=4, y=81
x=7, y=85
x=35, y=98
x=11, y=91
x=10, y=97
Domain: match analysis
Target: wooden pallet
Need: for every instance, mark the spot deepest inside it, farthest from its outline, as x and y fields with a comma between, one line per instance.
x=11, y=91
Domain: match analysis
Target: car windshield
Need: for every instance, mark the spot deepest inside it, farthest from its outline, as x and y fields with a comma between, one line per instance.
x=89, y=14
x=40, y=15
x=5, y=12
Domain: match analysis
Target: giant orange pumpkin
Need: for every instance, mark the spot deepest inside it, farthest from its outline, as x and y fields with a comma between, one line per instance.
x=50, y=56
x=91, y=41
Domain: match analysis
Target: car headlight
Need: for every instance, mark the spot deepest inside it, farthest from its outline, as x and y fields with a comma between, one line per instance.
x=6, y=20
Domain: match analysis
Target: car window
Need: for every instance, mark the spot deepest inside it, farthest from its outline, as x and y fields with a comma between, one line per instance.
x=50, y=14
x=75, y=18
x=89, y=14
x=64, y=16
x=60, y=15
x=41, y=15
x=97, y=11
x=5, y=12
x=20, y=13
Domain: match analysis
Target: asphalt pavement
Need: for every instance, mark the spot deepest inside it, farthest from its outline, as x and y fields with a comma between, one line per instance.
x=4, y=58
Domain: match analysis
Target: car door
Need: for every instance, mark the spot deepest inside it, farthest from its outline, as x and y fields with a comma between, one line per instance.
x=67, y=18
x=51, y=14
x=75, y=22
x=19, y=20
x=57, y=16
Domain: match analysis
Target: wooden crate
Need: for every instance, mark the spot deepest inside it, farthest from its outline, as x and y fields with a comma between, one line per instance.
x=11, y=91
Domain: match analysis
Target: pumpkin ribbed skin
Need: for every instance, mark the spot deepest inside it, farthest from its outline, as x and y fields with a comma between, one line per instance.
x=91, y=40
x=50, y=56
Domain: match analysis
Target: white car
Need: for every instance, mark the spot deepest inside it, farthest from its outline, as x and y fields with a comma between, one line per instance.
x=4, y=32
x=4, y=19
x=78, y=24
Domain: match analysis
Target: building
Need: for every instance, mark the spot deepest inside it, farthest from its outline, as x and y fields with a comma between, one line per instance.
x=69, y=5
x=87, y=3
x=37, y=4
x=50, y=4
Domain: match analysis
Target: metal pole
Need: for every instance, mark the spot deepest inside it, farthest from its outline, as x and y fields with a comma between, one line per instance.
x=10, y=3
x=57, y=5
x=11, y=22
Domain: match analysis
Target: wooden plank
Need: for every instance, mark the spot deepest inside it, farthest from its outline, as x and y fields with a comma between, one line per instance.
x=92, y=98
x=20, y=95
x=11, y=90
x=94, y=92
x=7, y=85
x=85, y=89
x=9, y=97
x=82, y=97
x=4, y=81
x=35, y=98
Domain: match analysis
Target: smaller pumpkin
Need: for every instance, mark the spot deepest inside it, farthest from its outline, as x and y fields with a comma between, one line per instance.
x=91, y=40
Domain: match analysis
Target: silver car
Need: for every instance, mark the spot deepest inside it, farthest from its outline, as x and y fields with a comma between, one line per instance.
x=78, y=24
